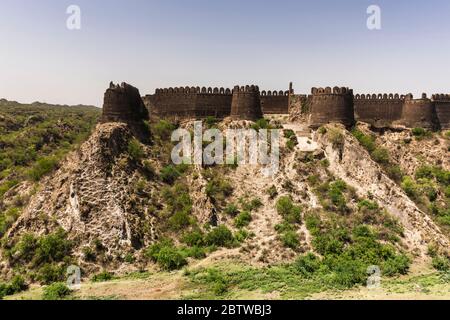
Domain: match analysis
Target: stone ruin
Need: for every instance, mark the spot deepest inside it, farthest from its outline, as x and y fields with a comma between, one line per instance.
x=324, y=105
x=123, y=103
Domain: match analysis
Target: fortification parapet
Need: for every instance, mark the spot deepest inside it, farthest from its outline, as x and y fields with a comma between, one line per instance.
x=419, y=113
x=379, y=109
x=123, y=103
x=246, y=103
x=275, y=102
x=331, y=105
x=190, y=102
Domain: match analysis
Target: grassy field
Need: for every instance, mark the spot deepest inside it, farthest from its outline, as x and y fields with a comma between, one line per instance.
x=233, y=280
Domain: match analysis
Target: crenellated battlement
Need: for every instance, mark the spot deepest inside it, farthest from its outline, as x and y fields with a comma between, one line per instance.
x=274, y=93
x=380, y=96
x=440, y=97
x=331, y=91
x=193, y=90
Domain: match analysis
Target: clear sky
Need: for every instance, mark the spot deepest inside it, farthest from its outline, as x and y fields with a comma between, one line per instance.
x=162, y=43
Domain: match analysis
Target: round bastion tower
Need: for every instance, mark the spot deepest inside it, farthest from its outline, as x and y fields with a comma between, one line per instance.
x=246, y=103
x=123, y=103
x=419, y=113
x=331, y=105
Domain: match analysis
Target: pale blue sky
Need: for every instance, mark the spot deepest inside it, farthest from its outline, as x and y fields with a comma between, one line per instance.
x=161, y=43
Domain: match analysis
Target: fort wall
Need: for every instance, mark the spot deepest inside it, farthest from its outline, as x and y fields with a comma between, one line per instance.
x=275, y=102
x=331, y=105
x=378, y=109
x=246, y=103
x=442, y=104
x=123, y=103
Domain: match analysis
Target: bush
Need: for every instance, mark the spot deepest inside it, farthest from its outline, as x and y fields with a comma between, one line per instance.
x=16, y=285
x=254, y=204
x=231, y=210
x=243, y=219
x=290, y=239
x=307, y=265
x=194, y=238
x=441, y=263
x=368, y=142
x=50, y=273
x=163, y=130
x=220, y=236
x=52, y=248
x=420, y=133
x=170, y=174
x=180, y=220
x=273, y=192
x=288, y=210
x=166, y=255
x=336, y=138
x=409, y=186
x=218, y=189
x=103, y=276
x=135, y=150
x=56, y=291
x=42, y=167
x=381, y=155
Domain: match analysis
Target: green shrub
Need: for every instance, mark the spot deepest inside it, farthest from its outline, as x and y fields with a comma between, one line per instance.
x=288, y=134
x=194, y=238
x=273, y=192
x=42, y=167
x=307, y=265
x=292, y=143
x=16, y=285
x=288, y=210
x=50, y=273
x=135, y=150
x=243, y=219
x=398, y=264
x=163, y=130
x=166, y=255
x=52, y=248
x=336, y=138
x=169, y=174
x=261, y=124
x=218, y=189
x=103, y=276
x=409, y=186
x=220, y=236
x=441, y=263
x=420, y=133
x=211, y=121
x=381, y=155
x=180, y=220
x=290, y=239
x=254, y=204
x=231, y=210
x=56, y=291
x=367, y=141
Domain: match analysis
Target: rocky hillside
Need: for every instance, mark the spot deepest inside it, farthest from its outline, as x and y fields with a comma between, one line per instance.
x=341, y=202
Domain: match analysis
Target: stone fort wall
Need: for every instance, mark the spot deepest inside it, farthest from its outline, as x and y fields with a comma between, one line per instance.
x=323, y=105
